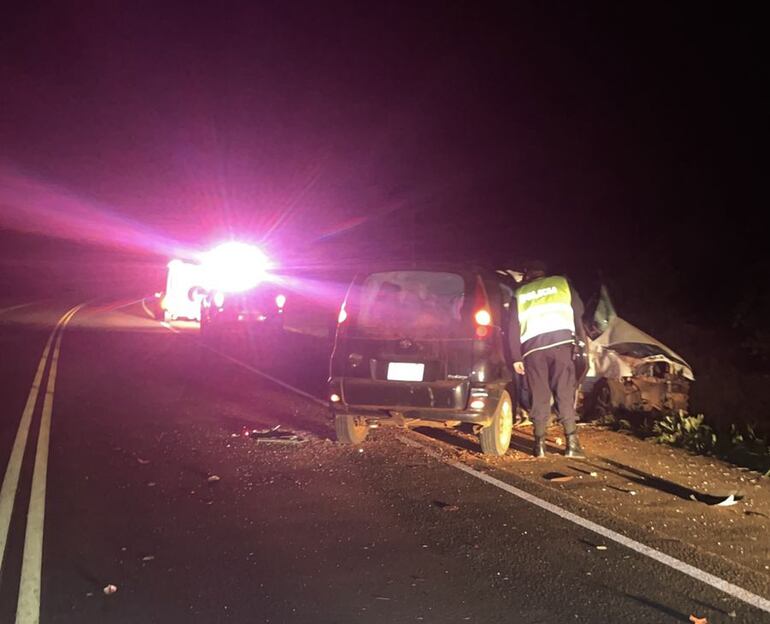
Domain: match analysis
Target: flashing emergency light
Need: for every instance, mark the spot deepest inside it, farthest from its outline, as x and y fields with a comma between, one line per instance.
x=235, y=266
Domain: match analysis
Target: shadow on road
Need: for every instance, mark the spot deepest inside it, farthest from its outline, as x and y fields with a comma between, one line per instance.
x=449, y=436
x=664, y=485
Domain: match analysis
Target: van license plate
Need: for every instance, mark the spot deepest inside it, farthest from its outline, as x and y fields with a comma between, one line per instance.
x=405, y=371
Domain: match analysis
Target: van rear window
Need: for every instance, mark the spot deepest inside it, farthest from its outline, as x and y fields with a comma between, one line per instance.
x=414, y=304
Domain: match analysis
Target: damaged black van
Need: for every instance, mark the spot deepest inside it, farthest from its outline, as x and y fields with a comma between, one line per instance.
x=424, y=345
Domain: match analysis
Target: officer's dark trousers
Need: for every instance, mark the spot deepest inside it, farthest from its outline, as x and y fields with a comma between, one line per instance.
x=551, y=371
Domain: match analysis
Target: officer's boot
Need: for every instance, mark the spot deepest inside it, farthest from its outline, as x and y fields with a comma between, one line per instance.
x=573, y=447
x=539, y=448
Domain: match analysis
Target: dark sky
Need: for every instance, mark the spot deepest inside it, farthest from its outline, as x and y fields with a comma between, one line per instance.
x=598, y=134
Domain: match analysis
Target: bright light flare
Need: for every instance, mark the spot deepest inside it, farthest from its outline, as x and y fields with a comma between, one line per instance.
x=280, y=301
x=483, y=318
x=235, y=266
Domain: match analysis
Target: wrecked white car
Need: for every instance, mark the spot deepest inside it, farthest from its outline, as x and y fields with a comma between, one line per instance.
x=628, y=370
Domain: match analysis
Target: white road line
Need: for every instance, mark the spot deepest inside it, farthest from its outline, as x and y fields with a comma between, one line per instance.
x=28, y=607
x=16, y=307
x=125, y=305
x=267, y=376
x=685, y=568
x=148, y=311
x=11, y=478
x=253, y=369
x=13, y=470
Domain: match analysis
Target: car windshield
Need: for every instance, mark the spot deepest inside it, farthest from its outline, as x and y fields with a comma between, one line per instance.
x=414, y=304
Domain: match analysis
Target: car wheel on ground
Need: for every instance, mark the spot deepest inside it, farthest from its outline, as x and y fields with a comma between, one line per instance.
x=495, y=438
x=350, y=429
x=599, y=403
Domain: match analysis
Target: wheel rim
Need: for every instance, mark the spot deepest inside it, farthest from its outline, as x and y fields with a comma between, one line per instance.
x=505, y=426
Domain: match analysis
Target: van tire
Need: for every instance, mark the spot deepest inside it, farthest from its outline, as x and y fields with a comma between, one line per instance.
x=348, y=429
x=495, y=438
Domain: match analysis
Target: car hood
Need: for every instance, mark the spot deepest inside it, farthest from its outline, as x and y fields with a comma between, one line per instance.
x=626, y=340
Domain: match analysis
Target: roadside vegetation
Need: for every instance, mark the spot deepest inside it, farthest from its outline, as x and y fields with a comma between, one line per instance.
x=739, y=444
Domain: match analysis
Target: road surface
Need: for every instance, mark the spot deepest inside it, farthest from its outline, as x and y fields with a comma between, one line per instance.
x=137, y=497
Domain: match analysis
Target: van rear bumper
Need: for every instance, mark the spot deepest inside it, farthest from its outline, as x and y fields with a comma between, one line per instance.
x=447, y=401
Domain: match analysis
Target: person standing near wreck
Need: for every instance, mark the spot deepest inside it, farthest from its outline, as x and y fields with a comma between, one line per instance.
x=545, y=324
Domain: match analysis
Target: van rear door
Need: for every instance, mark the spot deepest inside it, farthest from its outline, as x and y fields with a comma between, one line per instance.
x=407, y=340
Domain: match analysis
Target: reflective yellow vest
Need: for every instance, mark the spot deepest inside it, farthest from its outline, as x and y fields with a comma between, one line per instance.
x=545, y=305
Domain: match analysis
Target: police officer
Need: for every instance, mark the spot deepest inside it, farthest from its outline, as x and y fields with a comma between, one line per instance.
x=546, y=320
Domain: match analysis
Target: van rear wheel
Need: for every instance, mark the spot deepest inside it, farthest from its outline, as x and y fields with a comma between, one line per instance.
x=350, y=430
x=495, y=438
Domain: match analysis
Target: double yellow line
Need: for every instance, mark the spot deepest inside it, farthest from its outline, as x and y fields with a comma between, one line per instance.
x=28, y=606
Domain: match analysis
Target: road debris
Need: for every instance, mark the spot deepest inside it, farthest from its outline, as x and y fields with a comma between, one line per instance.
x=109, y=590
x=149, y=558
x=446, y=506
x=151, y=484
x=716, y=501
x=276, y=436
x=144, y=462
x=213, y=479
x=601, y=547
x=696, y=620
x=557, y=477
x=593, y=474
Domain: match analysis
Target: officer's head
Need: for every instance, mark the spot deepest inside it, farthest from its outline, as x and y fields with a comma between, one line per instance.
x=534, y=270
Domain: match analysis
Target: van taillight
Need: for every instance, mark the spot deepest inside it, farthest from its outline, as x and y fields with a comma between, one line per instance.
x=482, y=317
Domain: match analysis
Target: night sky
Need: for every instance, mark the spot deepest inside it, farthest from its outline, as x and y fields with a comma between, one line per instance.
x=616, y=137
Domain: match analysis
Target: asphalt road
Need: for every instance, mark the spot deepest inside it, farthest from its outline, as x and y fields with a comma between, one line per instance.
x=150, y=485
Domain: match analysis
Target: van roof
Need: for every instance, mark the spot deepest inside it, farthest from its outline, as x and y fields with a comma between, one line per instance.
x=449, y=267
